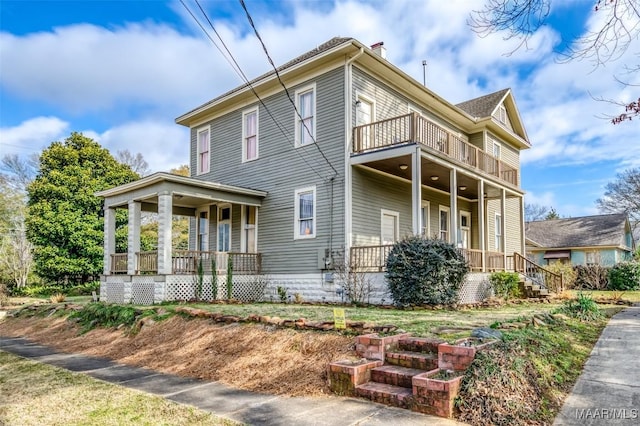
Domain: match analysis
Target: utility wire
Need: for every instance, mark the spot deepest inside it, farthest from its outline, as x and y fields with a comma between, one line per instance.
x=266, y=52
x=236, y=67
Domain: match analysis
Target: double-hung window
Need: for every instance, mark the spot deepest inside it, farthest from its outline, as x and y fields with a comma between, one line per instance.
x=306, y=115
x=250, y=135
x=305, y=213
x=204, y=143
x=498, y=233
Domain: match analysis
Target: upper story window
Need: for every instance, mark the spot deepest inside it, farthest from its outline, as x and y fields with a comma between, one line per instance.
x=250, y=135
x=204, y=146
x=496, y=148
x=306, y=116
x=305, y=213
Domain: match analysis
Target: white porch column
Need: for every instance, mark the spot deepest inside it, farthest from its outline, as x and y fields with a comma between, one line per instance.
x=453, y=179
x=416, y=191
x=133, y=242
x=482, y=206
x=165, y=208
x=503, y=221
x=109, y=237
x=522, y=234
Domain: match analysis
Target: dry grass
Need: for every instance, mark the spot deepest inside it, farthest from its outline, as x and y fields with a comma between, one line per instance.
x=251, y=357
x=37, y=394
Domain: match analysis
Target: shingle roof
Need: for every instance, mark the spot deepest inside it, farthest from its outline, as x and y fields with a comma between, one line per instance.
x=336, y=41
x=484, y=105
x=588, y=231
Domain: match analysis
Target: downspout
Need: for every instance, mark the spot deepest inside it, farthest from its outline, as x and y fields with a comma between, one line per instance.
x=348, y=107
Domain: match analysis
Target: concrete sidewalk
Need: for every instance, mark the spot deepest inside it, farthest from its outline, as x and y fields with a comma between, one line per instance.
x=242, y=406
x=608, y=390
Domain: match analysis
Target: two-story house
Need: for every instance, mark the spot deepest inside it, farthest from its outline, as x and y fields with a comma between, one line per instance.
x=351, y=156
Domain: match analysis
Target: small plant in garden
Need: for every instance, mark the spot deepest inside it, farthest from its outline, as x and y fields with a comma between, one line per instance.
x=199, y=279
x=505, y=284
x=57, y=298
x=425, y=271
x=214, y=279
x=102, y=315
x=229, y=278
x=583, y=308
x=297, y=297
x=625, y=276
x=282, y=294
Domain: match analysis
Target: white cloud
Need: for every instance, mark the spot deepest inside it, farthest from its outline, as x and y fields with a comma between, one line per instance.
x=163, y=145
x=32, y=135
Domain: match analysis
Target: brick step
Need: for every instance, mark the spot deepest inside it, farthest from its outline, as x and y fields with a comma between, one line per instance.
x=395, y=375
x=419, y=344
x=382, y=393
x=419, y=360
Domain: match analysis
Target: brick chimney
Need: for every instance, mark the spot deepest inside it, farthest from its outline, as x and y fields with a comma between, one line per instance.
x=379, y=49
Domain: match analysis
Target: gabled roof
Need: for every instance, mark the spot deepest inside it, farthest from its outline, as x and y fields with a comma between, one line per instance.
x=484, y=106
x=590, y=231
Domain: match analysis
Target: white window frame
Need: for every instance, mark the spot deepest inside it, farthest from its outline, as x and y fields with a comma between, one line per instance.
x=466, y=214
x=203, y=237
x=245, y=113
x=495, y=144
x=243, y=242
x=425, y=207
x=448, y=231
x=298, y=135
x=594, y=254
x=497, y=226
x=219, y=222
x=396, y=231
x=502, y=114
x=199, y=169
x=296, y=221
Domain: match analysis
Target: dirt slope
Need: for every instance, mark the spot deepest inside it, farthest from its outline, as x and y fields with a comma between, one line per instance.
x=251, y=357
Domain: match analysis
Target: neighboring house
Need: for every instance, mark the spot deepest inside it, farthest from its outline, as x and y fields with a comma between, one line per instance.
x=603, y=240
x=367, y=156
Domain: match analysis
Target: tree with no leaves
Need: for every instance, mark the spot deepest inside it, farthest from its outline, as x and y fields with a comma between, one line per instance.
x=623, y=195
x=619, y=31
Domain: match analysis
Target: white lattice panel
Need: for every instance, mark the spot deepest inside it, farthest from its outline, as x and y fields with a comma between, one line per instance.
x=248, y=288
x=115, y=292
x=143, y=290
x=475, y=288
x=180, y=287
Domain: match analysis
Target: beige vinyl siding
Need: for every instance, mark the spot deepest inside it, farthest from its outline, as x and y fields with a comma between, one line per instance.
x=281, y=169
x=513, y=225
x=509, y=154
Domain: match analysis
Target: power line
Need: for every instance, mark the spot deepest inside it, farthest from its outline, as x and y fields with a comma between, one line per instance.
x=286, y=91
x=236, y=67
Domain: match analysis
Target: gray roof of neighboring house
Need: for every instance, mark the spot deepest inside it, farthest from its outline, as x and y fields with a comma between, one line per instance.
x=589, y=231
x=484, y=105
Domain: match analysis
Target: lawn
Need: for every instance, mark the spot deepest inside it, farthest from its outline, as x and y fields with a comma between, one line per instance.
x=36, y=394
x=631, y=296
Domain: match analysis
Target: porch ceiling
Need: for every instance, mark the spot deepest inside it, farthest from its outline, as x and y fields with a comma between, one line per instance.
x=187, y=192
x=434, y=175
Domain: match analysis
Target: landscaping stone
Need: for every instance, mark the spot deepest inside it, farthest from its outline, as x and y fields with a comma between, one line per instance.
x=486, y=333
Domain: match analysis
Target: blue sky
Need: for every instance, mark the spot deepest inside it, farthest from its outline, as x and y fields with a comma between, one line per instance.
x=121, y=71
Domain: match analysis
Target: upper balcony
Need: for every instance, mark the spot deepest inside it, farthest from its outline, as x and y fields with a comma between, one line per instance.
x=413, y=128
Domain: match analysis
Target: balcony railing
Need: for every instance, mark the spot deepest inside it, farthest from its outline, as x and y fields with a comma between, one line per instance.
x=118, y=263
x=374, y=258
x=415, y=128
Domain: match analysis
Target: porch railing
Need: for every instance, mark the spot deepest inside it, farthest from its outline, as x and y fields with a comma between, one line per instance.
x=537, y=273
x=118, y=263
x=415, y=128
x=147, y=262
x=374, y=258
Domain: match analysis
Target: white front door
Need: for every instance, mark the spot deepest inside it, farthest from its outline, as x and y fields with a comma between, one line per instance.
x=224, y=228
x=465, y=230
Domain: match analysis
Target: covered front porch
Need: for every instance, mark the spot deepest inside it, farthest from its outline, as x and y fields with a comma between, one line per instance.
x=166, y=272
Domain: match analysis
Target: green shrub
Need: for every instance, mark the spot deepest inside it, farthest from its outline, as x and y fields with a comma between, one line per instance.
x=84, y=289
x=40, y=291
x=103, y=315
x=625, y=276
x=505, y=284
x=591, y=277
x=583, y=308
x=567, y=272
x=425, y=271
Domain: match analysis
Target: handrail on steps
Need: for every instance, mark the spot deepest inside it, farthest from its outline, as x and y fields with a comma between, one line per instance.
x=551, y=280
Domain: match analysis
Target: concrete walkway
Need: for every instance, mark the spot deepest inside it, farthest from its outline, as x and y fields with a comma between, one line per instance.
x=608, y=390
x=242, y=406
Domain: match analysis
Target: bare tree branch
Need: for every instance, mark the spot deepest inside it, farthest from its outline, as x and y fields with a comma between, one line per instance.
x=137, y=163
